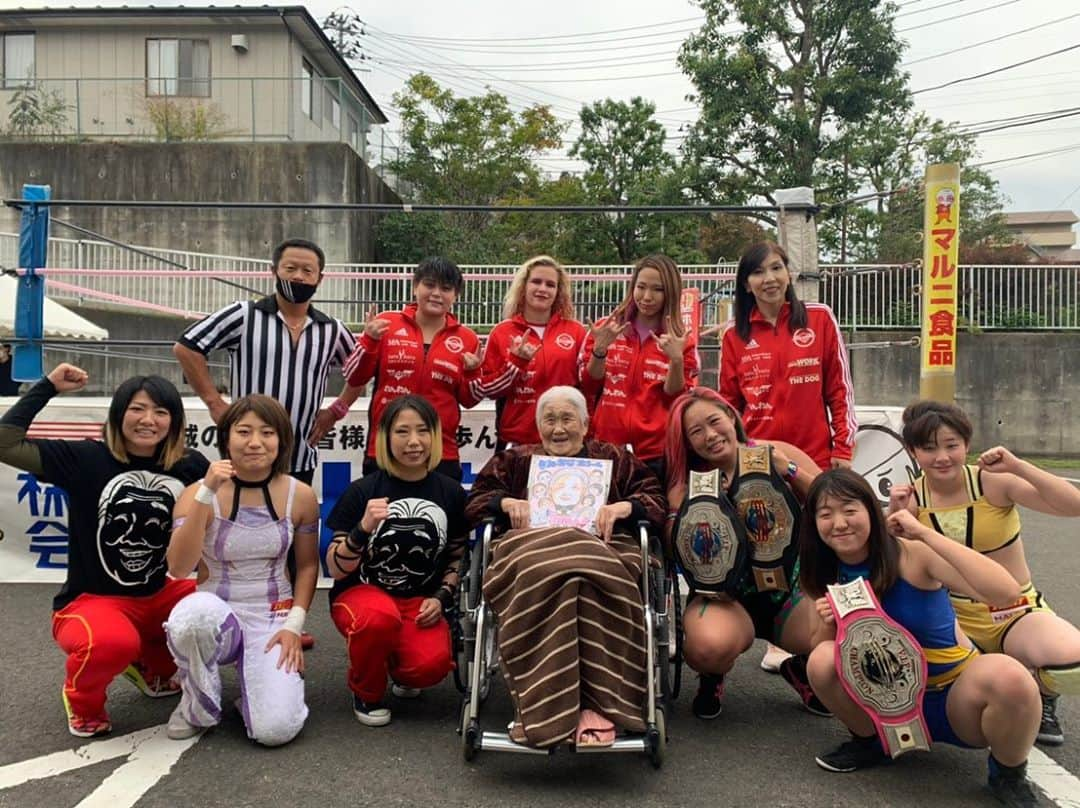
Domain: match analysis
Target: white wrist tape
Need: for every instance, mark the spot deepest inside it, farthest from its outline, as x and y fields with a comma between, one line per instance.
x=204, y=495
x=295, y=621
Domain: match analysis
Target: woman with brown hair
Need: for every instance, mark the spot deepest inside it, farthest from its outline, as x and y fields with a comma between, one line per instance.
x=637, y=360
x=238, y=525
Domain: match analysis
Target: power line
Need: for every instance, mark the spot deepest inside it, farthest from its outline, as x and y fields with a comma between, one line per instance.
x=1044, y=153
x=932, y=8
x=990, y=41
x=955, y=16
x=1038, y=58
x=549, y=37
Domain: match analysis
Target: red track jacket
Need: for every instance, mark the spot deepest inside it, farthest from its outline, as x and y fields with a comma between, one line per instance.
x=519, y=383
x=399, y=366
x=632, y=407
x=792, y=387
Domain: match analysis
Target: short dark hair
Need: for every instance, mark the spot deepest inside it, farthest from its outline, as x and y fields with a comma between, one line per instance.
x=301, y=244
x=818, y=564
x=754, y=256
x=272, y=413
x=441, y=270
x=163, y=393
x=923, y=419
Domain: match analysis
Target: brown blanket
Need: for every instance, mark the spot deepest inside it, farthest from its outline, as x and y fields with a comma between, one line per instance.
x=571, y=629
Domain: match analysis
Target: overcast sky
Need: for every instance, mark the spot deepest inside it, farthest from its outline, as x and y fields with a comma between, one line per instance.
x=533, y=52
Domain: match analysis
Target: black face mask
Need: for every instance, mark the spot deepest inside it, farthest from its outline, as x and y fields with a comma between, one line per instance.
x=295, y=292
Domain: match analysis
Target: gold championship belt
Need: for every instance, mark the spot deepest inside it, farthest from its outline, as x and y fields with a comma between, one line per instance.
x=709, y=538
x=881, y=666
x=770, y=513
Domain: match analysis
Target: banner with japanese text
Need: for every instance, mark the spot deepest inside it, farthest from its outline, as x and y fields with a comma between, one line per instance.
x=941, y=243
x=33, y=514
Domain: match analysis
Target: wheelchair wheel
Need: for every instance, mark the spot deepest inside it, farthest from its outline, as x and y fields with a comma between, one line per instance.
x=656, y=738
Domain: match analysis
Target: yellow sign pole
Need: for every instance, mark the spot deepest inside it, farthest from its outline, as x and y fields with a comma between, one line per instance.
x=941, y=243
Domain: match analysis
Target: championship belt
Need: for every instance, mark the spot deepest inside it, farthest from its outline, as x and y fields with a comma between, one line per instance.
x=881, y=666
x=770, y=514
x=708, y=536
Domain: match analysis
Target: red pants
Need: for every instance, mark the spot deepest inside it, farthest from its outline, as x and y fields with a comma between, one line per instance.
x=103, y=634
x=383, y=639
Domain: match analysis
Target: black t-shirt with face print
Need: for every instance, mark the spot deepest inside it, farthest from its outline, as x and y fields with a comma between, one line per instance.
x=408, y=552
x=119, y=516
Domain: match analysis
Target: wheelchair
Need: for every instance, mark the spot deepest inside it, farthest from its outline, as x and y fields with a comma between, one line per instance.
x=476, y=652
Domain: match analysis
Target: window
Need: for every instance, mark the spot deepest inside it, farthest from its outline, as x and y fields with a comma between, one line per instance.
x=352, y=133
x=335, y=112
x=178, y=67
x=18, y=55
x=307, y=82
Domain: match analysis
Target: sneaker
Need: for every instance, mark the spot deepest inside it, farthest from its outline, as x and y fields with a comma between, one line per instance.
x=85, y=727
x=1050, y=728
x=153, y=686
x=403, y=692
x=178, y=727
x=770, y=663
x=708, y=703
x=1012, y=787
x=793, y=669
x=850, y=756
x=371, y=715
x=307, y=642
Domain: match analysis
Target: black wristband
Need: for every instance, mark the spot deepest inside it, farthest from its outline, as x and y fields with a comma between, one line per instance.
x=599, y=355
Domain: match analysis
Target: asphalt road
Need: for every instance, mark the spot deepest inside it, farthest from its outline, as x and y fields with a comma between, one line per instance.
x=759, y=752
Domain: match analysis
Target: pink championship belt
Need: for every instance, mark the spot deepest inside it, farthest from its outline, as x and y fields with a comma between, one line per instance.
x=881, y=666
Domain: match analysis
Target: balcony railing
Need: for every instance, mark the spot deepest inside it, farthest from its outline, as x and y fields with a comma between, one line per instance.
x=865, y=297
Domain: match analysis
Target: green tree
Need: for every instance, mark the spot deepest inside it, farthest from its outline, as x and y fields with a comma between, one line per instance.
x=890, y=160
x=465, y=151
x=782, y=85
x=622, y=146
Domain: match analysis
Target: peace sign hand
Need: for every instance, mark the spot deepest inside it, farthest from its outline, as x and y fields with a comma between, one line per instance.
x=374, y=327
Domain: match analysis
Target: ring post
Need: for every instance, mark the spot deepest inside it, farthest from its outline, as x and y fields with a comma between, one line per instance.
x=27, y=363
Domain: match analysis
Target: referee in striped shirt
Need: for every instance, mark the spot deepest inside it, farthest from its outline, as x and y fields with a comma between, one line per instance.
x=280, y=346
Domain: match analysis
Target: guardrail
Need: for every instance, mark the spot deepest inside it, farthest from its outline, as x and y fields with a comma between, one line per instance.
x=864, y=297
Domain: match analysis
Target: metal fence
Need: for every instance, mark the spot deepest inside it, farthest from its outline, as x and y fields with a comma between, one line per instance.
x=864, y=297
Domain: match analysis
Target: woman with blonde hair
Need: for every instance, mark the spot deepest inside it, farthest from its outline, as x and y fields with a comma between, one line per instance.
x=398, y=538
x=534, y=348
x=635, y=362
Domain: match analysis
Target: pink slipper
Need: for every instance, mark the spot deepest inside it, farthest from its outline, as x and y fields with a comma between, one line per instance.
x=594, y=730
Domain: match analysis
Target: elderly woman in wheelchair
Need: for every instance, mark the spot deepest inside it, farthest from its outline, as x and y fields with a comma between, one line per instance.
x=566, y=577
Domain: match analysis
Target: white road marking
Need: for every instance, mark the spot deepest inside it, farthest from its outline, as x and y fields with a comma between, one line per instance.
x=150, y=756
x=1059, y=784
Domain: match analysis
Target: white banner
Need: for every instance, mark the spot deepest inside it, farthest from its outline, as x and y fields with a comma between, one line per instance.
x=33, y=514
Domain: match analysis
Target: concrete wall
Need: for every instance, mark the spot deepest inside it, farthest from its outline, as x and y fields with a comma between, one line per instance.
x=271, y=172
x=1020, y=389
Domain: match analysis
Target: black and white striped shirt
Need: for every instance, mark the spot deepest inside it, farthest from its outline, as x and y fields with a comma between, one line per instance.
x=264, y=360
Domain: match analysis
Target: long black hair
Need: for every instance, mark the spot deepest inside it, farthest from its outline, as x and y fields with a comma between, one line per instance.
x=754, y=256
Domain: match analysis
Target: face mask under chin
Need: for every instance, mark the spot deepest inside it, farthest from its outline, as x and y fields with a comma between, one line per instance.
x=295, y=292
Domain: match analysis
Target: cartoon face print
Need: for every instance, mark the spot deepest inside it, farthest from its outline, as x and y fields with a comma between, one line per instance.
x=403, y=549
x=134, y=525
x=880, y=457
